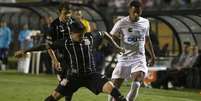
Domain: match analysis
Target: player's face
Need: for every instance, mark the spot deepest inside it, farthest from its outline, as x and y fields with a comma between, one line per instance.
x=135, y=13
x=76, y=36
x=77, y=14
x=65, y=14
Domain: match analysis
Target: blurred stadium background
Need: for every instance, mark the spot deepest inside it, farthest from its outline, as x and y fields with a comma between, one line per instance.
x=175, y=28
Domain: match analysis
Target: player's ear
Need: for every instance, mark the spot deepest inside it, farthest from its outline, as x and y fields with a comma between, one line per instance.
x=58, y=12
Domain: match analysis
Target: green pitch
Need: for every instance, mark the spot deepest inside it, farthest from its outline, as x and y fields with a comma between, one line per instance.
x=21, y=87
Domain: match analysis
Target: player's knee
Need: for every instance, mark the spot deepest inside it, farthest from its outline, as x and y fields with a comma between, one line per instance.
x=108, y=86
x=118, y=82
x=68, y=98
x=50, y=98
x=138, y=76
x=135, y=85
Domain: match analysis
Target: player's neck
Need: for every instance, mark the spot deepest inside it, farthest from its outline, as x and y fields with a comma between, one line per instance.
x=76, y=37
x=134, y=20
x=61, y=20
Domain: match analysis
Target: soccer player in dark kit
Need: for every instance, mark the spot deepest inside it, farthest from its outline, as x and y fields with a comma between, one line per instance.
x=59, y=28
x=78, y=64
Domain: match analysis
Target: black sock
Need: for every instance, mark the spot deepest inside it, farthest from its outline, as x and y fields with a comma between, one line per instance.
x=50, y=98
x=116, y=94
x=68, y=98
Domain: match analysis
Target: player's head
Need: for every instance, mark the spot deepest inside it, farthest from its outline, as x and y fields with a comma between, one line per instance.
x=77, y=27
x=135, y=10
x=3, y=23
x=77, y=13
x=64, y=11
x=186, y=47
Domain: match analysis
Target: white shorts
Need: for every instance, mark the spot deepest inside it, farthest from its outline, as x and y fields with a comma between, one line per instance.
x=124, y=69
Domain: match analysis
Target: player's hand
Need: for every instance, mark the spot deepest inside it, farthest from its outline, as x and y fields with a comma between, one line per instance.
x=20, y=54
x=56, y=64
x=64, y=82
x=121, y=50
x=151, y=61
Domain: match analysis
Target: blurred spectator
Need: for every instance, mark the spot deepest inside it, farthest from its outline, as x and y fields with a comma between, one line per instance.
x=5, y=40
x=26, y=41
x=148, y=3
x=77, y=13
x=193, y=66
x=25, y=38
x=178, y=73
x=192, y=58
x=181, y=66
x=164, y=52
x=178, y=64
x=197, y=63
x=46, y=28
x=45, y=58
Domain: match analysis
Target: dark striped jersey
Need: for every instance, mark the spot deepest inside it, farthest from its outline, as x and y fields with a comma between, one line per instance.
x=58, y=30
x=78, y=56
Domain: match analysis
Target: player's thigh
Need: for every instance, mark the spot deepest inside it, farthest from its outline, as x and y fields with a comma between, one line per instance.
x=68, y=89
x=122, y=70
x=138, y=71
x=138, y=76
x=57, y=95
x=95, y=82
x=118, y=82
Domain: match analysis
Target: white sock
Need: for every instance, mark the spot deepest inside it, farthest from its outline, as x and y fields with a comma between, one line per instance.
x=3, y=67
x=133, y=93
x=109, y=98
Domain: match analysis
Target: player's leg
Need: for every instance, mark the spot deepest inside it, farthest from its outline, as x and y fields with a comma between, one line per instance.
x=65, y=88
x=55, y=96
x=137, y=78
x=3, y=58
x=113, y=91
x=98, y=83
x=120, y=72
x=67, y=97
x=117, y=83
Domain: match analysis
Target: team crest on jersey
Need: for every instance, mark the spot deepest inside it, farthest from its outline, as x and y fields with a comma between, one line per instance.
x=86, y=41
x=61, y=28
x=130, y=30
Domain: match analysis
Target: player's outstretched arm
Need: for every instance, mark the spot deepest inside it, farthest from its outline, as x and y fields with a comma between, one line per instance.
x=108, y=37
x=22, y=53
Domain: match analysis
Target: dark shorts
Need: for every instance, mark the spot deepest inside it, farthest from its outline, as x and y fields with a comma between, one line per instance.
x=93, y=81
x=4, y=55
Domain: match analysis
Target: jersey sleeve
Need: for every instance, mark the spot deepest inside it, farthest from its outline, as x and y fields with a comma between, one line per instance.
x=147, y=28
x=59, y=44
x=116, y=28
x=50, y=38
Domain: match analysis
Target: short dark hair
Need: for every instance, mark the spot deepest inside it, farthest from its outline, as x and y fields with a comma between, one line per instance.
x=64, y=6
x=135, y=3
x=77, y=27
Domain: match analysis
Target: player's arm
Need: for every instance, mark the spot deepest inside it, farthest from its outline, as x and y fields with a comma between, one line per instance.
x=108, y=37
x=59, y=44
x=149, y=48
x=55, y=62
x=22, y=53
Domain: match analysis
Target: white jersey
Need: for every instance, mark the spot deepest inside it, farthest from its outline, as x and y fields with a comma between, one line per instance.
x=132, y=37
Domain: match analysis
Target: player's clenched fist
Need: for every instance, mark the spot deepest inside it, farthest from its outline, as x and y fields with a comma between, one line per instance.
x=20, y=54
x=56, y=64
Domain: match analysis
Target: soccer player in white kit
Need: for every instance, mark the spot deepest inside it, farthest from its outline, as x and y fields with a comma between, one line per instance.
x=133, y=32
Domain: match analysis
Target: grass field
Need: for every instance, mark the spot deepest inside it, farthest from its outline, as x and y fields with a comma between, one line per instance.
x=21, y=87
